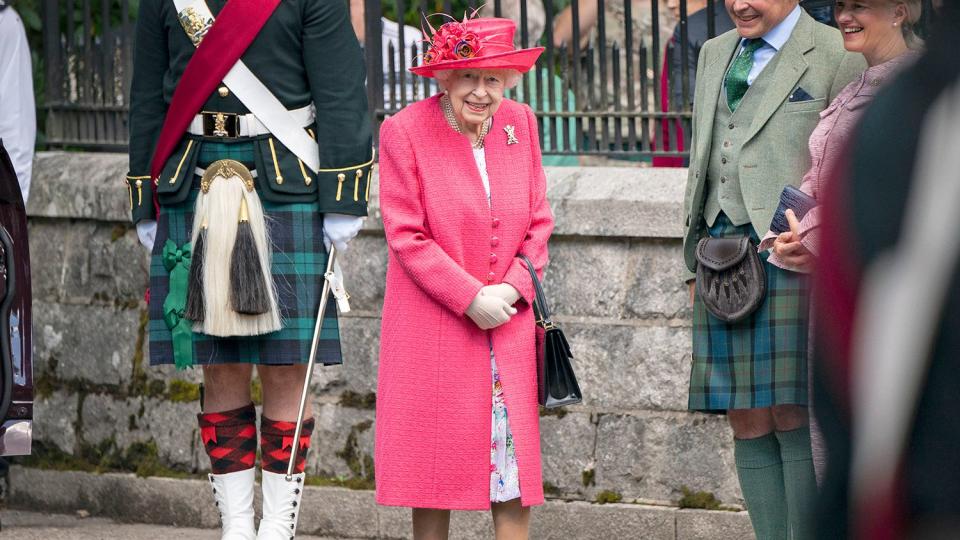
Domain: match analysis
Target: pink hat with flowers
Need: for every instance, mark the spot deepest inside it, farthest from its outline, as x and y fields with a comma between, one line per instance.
x=480, y=43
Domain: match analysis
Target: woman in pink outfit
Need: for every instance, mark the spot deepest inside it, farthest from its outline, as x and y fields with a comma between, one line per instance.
x=884, y=32
x=463, y=194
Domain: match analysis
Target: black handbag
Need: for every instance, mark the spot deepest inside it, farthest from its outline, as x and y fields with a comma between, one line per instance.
x=556, y=383
x=730, y=279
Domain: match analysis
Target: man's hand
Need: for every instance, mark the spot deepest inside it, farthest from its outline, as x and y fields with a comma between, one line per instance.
x=787, y=246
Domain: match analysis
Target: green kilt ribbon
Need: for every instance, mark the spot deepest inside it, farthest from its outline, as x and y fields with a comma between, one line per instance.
x=177, y=262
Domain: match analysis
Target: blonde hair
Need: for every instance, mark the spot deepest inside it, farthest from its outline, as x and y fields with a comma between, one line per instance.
x=512, y=77
x=911, y=20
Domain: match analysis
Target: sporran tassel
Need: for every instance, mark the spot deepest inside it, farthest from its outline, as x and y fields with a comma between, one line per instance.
x=248, y=289
x=195, y=308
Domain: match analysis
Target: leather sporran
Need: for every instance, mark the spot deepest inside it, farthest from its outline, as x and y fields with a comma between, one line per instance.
x=730, y=278
x=556, y=383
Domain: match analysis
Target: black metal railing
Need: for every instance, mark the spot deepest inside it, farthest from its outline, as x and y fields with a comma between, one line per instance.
x=599, y=92
x=88, y=59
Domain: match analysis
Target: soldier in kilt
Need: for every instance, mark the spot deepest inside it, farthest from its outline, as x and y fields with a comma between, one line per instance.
x=760, y=89
x=230, y=294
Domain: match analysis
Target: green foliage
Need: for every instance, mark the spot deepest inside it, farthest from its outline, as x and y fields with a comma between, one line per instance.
x=607, y=496
x=700, y=499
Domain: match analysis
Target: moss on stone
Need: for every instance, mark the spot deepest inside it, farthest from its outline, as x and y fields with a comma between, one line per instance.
x=118, y=232
x=588, y=477
x=559, y=412
x=349, y=483
x=256, y=391
x=607, y=496
x=699, y=499
x=359, y=401
x=360, y=464
x=183, y=391
x=44, y=456
x=551, y=490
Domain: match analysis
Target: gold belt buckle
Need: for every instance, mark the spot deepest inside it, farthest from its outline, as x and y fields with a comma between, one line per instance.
x=221, y=124
x=226, y=169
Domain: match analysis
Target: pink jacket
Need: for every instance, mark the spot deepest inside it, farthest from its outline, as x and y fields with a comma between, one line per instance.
x=434, y=389
x=837, y=125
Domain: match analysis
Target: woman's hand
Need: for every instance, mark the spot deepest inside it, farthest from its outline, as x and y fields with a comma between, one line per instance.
x=489, y=311
x=503, y=290
x=787, y=246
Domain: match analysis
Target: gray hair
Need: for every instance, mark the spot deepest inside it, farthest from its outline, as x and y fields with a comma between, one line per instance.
x=443, y=77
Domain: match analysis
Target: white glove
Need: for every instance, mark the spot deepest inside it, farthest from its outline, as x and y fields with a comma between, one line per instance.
x=339, y=229
x=502, y=290
x=147, y=233
x=489, y=311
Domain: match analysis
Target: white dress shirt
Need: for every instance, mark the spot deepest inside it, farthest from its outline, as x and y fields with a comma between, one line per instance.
x=773, y=41
x=18, y=118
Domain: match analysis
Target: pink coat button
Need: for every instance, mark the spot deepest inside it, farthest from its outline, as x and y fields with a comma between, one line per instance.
x=493, y=258
x=495, y=223
x=490, y=276
x=494, y=241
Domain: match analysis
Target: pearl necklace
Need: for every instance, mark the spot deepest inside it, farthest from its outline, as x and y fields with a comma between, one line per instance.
x=451, y=117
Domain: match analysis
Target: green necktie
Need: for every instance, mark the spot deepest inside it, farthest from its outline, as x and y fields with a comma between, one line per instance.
x=736, y=79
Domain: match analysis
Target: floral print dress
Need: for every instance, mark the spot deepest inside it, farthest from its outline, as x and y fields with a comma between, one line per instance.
x=504, y=474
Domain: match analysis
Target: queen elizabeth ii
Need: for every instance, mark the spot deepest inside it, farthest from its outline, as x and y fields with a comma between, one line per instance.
x=463, y=196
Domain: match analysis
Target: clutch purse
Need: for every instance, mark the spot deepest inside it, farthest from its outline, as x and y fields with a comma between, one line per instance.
x=556, y=383
x=730, y=279
x=794, y=199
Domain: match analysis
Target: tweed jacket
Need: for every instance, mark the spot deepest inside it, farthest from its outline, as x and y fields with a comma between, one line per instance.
x=445, y=242
x=774, y=152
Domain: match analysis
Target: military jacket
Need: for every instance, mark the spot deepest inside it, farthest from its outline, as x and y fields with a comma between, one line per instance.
x=306, y=52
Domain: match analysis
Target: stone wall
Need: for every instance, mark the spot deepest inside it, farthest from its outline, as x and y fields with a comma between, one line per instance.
x=614, y=282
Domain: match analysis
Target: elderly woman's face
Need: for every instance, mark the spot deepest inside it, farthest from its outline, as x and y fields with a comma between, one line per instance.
x=869, y=26
x=475, y=94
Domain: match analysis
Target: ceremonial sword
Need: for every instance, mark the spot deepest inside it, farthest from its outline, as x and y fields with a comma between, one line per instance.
x=324, y=297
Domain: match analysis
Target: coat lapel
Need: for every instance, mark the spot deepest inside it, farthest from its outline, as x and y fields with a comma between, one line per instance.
x=713, y=83
x=507, y=164
x=789, y=69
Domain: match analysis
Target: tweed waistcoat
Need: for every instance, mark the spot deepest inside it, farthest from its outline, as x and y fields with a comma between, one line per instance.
x=729, y=131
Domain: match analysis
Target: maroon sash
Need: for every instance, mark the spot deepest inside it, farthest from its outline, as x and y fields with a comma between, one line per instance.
x=232, y=32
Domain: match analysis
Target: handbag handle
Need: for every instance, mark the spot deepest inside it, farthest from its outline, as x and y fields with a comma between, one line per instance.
x=541, y=309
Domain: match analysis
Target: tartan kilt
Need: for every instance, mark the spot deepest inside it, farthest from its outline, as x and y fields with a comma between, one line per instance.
x=758, y=362
x=298, y=262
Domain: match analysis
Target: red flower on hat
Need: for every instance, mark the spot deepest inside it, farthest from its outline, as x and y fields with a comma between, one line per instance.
x=452, y=41
x=468, y=46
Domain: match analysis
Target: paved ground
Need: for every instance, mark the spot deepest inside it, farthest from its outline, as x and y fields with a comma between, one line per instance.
x=19, y=525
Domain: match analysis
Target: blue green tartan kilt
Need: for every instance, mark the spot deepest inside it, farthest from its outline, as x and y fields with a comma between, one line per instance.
x=758, y=362
x=299, y=261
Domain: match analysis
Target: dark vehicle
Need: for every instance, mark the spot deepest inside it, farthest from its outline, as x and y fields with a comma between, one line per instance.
x=16, y=366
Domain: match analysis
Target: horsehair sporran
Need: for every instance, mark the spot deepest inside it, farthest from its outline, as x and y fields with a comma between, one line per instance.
x=218, y=209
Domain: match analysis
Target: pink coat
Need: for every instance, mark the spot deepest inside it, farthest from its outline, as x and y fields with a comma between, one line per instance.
x=434, y=390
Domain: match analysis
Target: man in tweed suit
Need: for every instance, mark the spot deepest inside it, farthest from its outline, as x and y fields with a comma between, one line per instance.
x=760, y=89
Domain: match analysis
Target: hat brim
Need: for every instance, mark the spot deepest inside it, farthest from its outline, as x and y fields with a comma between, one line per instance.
x=521, y=60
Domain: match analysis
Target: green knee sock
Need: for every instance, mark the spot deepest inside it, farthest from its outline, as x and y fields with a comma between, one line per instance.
x=761, y=480
x=799, y=481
